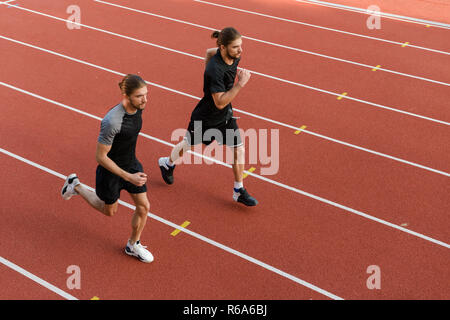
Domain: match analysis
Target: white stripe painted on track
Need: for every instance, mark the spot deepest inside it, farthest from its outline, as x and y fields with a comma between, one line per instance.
x=254, y=72
x=6, y=2
x=321, y=27
x=381, y=14
x=284, y=186
x=282, y=46
x=35, y=278
x=244, y=112
x=191, y=233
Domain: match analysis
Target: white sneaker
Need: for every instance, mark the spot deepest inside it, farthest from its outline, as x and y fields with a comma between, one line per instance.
x=139, y=251
x=68, y=190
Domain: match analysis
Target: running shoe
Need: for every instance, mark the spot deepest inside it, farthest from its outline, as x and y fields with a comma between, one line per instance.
x=242, y=196
x=166, y=170
x=139, y=251
x=68, y=190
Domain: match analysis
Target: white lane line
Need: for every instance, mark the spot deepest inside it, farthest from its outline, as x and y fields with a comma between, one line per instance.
x=280, y=45
x=244, y=112
x=382, y=14
x=319, y=27
x=6, y=2
x=35, y=278
x=284, y=186
x=193, y=234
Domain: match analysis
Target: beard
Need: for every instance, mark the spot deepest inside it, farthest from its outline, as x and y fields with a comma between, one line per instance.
x=231, y=56
x=137, y=106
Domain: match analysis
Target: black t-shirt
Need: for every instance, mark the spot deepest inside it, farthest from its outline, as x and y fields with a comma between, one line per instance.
x=120, y=130
x=218, y=77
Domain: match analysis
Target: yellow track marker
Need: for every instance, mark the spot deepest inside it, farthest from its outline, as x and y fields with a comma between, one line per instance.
x=376, y=68
x=95, y=298
x=342, y=95
x=405, y=44
x=176, y=231
x=427, y=26
x=300, y=130
x=249, y=170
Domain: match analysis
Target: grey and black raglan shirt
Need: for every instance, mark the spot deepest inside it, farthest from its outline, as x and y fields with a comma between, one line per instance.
x=120, y=130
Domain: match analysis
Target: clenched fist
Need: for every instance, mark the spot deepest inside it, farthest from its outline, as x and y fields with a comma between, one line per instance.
x=243, y=77
x=138, y=179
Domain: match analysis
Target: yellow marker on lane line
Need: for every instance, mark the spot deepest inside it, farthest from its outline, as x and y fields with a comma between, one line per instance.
x=342, y=95
x=177, y=231
x=249, y=170
x=376, y=68
x=405, y=44
x=95, y=298
x=300, y=130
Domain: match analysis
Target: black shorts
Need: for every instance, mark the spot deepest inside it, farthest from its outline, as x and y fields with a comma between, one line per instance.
x=108, y=185
x=226, y=133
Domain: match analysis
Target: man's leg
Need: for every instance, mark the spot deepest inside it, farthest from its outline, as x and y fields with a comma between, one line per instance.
x=178, y=151
x=72, y=187
x=95, y=202
x=167, y=164
x=194, y=134
x=234, y=141
x=140, y=215
x=239, y=192
x=238, y=163
x=134, y=246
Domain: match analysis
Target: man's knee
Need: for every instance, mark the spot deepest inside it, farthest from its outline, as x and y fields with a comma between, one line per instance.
x=179, y=150
x=143, y=207
x=239, y=154
x=110, y=210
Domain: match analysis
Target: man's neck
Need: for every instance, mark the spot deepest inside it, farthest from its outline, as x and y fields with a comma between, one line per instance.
x=128, y=107
x=229, y=61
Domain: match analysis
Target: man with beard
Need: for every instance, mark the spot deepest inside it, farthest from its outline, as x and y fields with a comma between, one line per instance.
x=118, y=168
x=214, y=111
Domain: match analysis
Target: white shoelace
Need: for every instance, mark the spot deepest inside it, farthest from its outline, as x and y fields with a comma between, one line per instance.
x=141, y=246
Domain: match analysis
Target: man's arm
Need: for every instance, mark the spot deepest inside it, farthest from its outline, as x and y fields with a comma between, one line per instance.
x=222, y=99
x=102, y=158
x=209, y=54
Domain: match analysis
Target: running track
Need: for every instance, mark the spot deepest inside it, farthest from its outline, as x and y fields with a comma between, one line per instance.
x=332, y=209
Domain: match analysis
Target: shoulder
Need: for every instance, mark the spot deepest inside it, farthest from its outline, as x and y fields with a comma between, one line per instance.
x=110, y=125
x=114, y=113
x=113, y=119
x=214, y=67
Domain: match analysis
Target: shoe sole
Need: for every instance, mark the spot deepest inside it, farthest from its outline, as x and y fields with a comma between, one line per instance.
x=166, y=180
x=251, y=202
x=69, y=180
x=163, y=170
x=137, y=256
x=248, y=204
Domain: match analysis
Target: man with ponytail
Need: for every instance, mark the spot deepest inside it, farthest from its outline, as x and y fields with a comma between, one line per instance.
x=214, y=111
x=118, y=168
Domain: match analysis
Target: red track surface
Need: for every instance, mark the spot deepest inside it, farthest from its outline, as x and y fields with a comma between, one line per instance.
x=435, y=10
x=326, y=246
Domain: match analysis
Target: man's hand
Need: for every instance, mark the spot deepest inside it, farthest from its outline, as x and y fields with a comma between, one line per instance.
x=243, y=77
x=138, y=178
x=222, y=99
